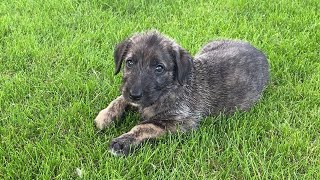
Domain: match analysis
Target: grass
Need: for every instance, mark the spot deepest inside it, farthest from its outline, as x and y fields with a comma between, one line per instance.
x=56, y=73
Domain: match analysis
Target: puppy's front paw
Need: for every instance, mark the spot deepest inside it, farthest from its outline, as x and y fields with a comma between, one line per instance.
x=122, y=145
x=103, y=119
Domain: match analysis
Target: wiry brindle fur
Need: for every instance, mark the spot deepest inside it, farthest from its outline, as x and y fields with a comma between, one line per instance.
x=173, y=90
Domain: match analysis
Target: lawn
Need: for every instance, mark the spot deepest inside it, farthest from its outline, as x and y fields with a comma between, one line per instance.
x=56, y=74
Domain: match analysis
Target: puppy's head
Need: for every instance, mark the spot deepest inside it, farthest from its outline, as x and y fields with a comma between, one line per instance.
x=153, y=64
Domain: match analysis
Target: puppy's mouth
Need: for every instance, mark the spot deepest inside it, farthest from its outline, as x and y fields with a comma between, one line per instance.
x=134, y=104
x=132, y=101
x=143, y=102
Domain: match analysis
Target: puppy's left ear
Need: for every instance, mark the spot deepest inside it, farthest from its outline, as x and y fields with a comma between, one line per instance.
x=184, y=63
x=119, y=53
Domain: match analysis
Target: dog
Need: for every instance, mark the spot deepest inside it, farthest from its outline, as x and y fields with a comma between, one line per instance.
x=173, y=90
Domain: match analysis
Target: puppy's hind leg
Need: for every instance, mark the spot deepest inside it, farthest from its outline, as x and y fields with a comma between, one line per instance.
x=114, y=111
x=151, y=129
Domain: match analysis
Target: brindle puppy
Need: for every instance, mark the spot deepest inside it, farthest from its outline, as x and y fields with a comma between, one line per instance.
x=173, y=90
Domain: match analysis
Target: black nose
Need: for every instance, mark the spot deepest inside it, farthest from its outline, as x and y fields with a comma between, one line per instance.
x=135, y=95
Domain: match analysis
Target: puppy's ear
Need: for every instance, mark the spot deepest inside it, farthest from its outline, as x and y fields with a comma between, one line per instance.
x=119, y=53
x=184, y=63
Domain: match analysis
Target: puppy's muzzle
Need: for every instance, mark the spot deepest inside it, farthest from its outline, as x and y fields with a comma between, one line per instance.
x=135, y=94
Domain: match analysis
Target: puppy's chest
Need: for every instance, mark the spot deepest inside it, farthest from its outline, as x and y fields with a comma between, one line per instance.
x=155, y=113
x=148, y=113
x=164, y=113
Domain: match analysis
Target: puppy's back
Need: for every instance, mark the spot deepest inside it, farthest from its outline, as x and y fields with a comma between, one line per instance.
x=231, y=75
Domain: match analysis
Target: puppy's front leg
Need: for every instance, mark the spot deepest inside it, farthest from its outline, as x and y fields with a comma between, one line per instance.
x=112, y=112
x=125, y=143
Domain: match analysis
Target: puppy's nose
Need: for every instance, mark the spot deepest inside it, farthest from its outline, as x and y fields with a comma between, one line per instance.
x=135, y=94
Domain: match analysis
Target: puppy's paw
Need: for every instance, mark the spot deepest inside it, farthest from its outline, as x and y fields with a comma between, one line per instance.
x=122, y=145
x=103, y=119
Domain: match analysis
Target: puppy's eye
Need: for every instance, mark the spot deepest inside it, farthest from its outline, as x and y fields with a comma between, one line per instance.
x=129, y=63
x=159, y=68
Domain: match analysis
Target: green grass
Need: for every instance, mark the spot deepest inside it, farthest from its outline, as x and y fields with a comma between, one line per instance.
x=56, y=73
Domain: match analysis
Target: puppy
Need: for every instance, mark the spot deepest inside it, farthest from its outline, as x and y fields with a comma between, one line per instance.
x=173, y=91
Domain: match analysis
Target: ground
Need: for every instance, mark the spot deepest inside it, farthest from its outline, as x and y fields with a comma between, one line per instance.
x=56, y=74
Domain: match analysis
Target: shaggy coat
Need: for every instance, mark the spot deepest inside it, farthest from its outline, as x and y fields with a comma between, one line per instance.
x=173, y=91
